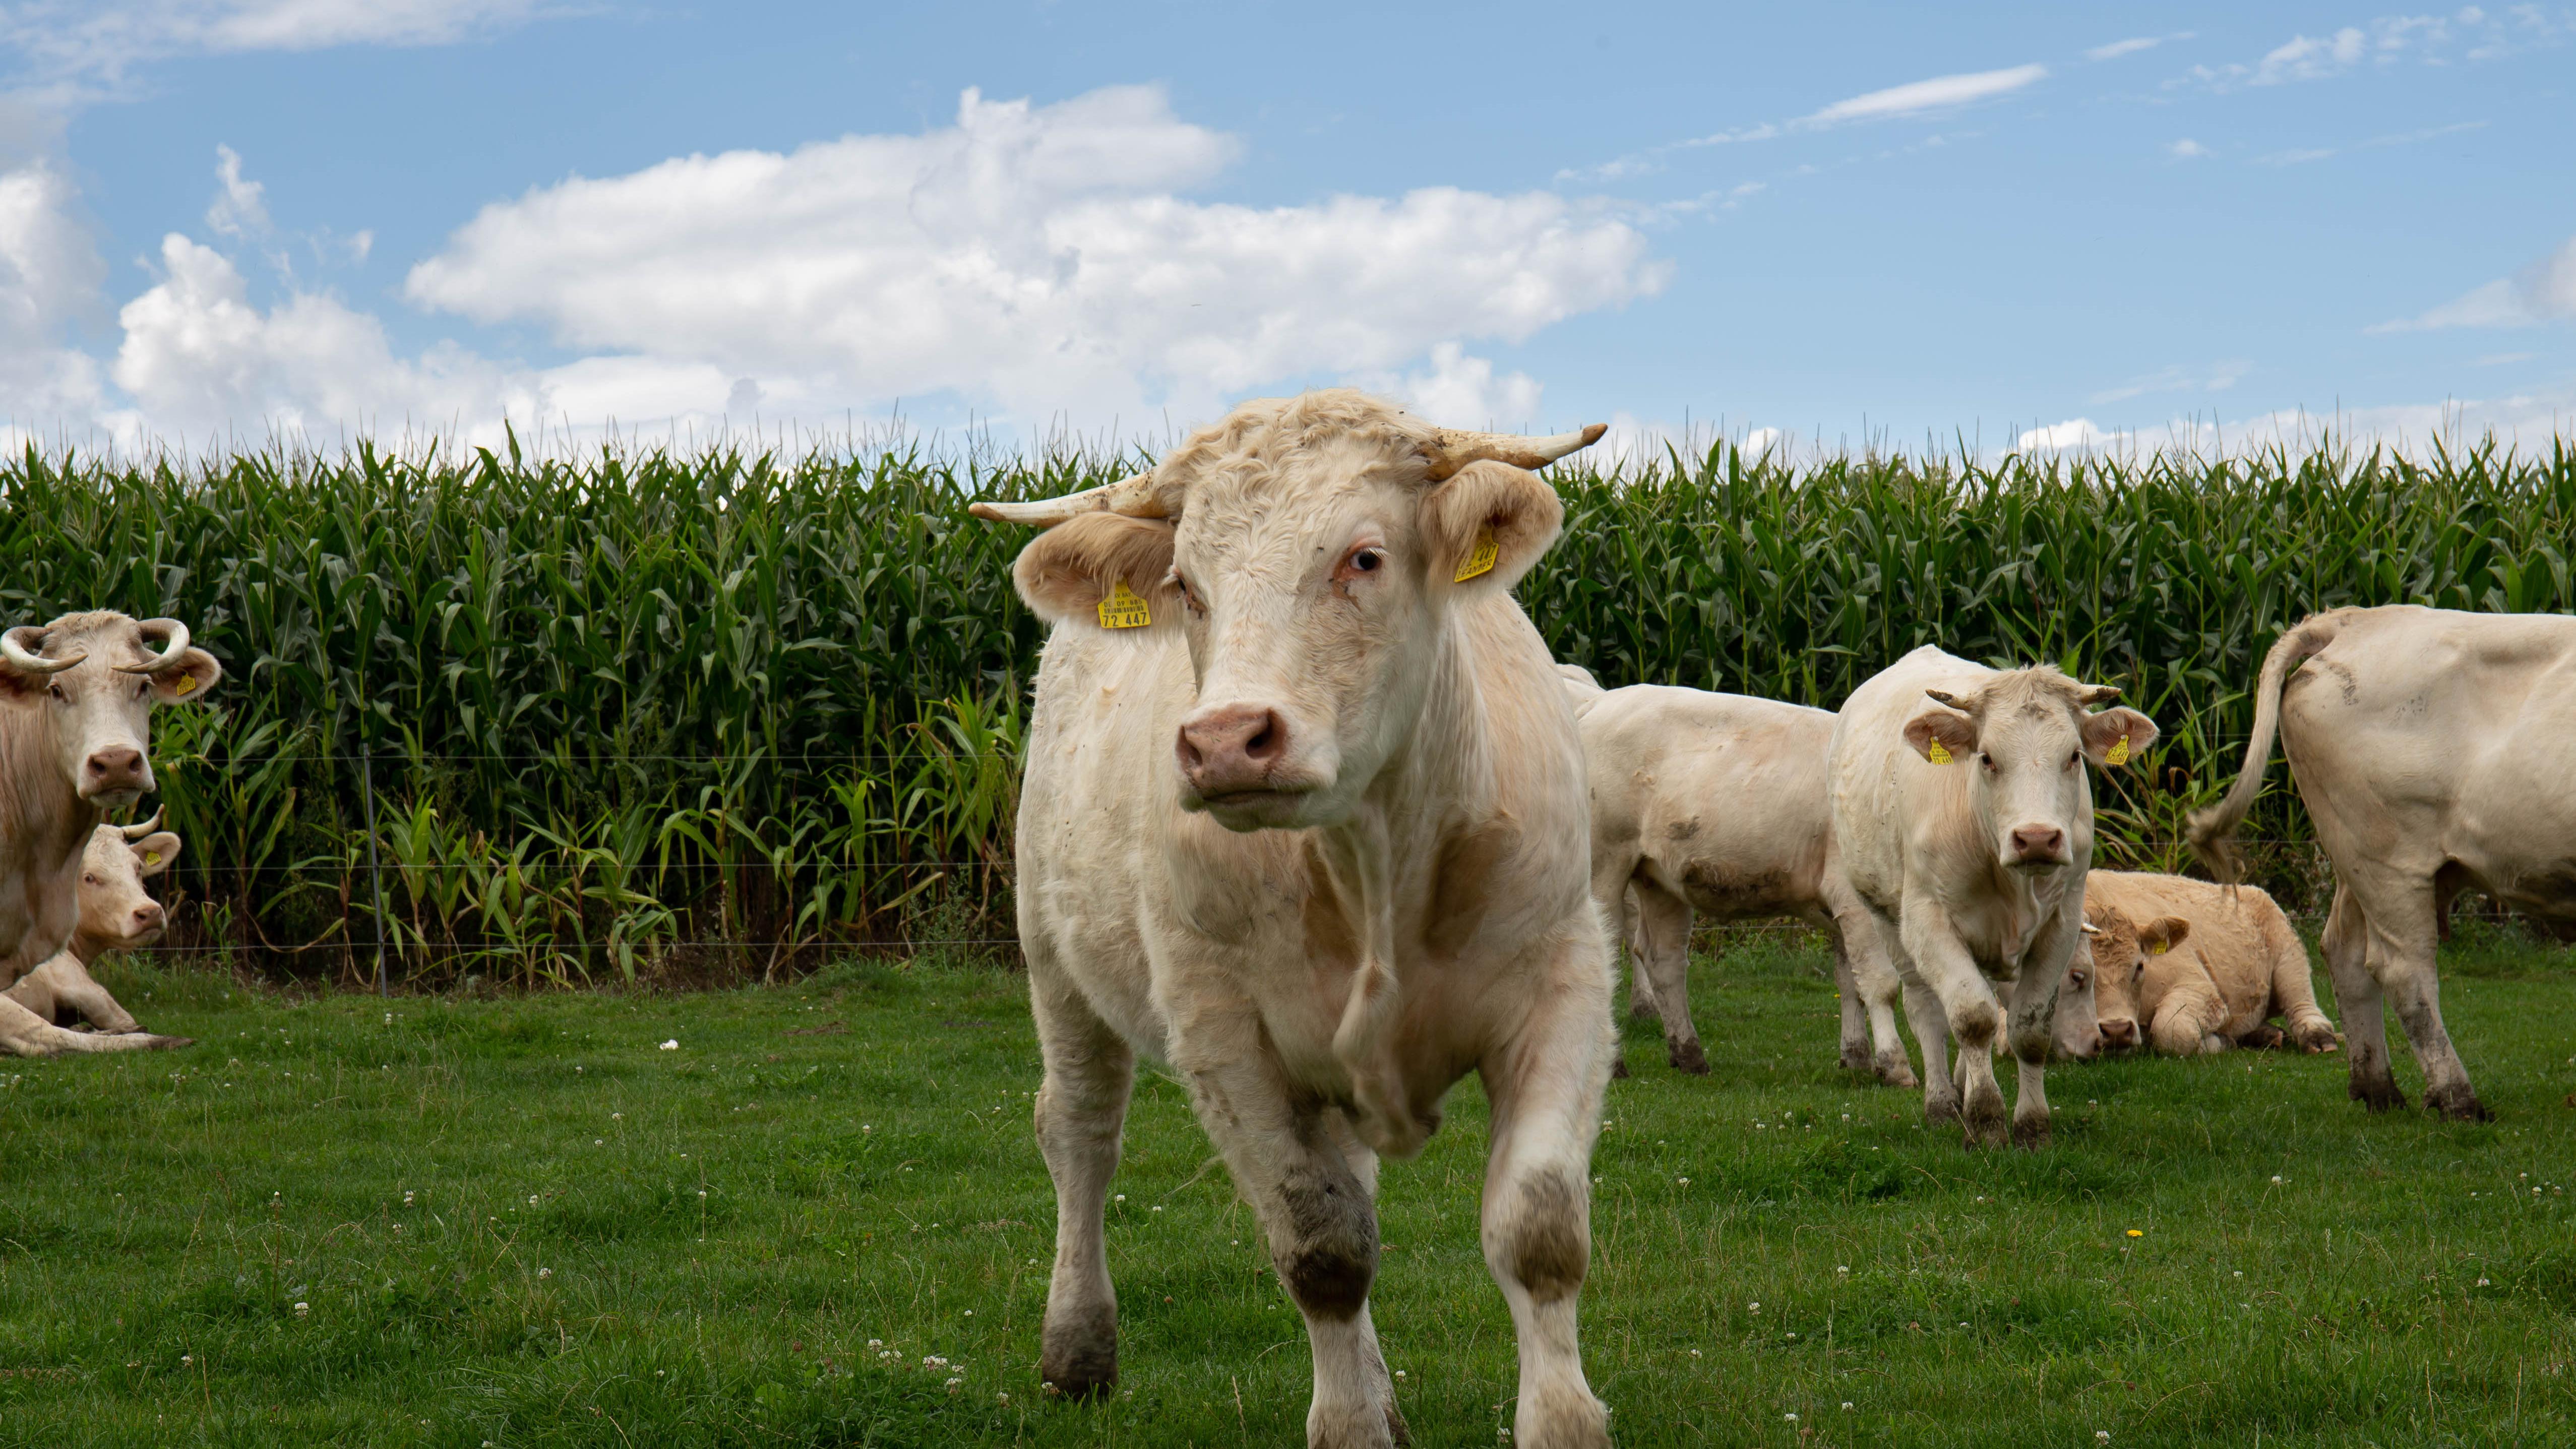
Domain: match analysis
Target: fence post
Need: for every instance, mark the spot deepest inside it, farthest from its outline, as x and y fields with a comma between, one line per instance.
x=375, y=874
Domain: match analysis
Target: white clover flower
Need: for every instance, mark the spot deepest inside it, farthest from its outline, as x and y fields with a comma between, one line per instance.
x=545, y=1272
x=303, y=1309
x=672, y=1045
x=1847, y=1405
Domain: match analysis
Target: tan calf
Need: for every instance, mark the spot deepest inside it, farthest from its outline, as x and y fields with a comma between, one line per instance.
x=116, y=914
x=2200, y=970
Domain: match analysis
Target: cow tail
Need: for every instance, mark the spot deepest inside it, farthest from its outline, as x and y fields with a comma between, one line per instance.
x=2213, y=831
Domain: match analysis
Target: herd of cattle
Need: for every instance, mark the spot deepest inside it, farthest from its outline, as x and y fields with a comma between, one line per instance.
x=1312, y=817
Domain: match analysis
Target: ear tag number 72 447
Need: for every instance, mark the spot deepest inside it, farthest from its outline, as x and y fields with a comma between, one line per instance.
x=1123, y=609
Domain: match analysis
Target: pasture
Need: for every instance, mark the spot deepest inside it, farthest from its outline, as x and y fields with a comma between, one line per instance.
x=821, y=1219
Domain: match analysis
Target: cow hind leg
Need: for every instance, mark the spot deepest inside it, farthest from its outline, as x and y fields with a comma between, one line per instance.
x=2346, y=943
x=1941, y=1098
x=1081, y=1110
x=1855, y=1055
x=2402, y=961
x=1663, y=927
x=1641, y=987
x=1546, y=1088
x=1862, y=960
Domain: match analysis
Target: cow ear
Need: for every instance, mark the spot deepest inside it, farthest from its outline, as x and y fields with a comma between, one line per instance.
x=154, y=853
x=1942, y=736
x=2163, y=934
x=190, y=679
x=1103, y=569
x=1488, y=524
x=2117, y=736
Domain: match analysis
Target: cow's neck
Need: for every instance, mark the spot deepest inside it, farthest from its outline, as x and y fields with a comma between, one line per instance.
x=1440, y=776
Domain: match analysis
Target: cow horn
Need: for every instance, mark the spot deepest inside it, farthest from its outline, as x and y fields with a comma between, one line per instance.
x=141, y=828
x=168, y=659
x=1136, y=497
x=28, y=660
x=1943, y=696
x=1454, y=448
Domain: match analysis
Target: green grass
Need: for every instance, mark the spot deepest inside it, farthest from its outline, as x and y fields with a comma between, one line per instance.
x=863, y=1147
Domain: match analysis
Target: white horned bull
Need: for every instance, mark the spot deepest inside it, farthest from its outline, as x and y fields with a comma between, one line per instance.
x=76, y=699
x=1304, y=818
x=2436, y=753
x=116, y=914
x=1716, y=804
x=1965, y=819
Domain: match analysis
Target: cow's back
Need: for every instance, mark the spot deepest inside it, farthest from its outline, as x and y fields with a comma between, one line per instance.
x=2417, y=736
x=1724, y=793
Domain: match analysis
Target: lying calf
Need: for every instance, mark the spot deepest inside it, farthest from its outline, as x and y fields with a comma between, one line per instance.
x=2200, y=970
x=115, y=915
x=1715, y=804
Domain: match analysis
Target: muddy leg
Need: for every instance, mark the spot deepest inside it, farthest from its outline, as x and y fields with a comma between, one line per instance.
x=1663, y=922
x=1081, y=1109
x=2347, y=950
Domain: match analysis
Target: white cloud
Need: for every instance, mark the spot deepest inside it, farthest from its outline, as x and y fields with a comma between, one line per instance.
x=1038, y=261
x=2135, y=44
x=1938, y=93
x=1461, y=391
x=2299, y=157
x=79, y=42
x=2523, y=419
x=240, y=209
x=2216, y=377
x=2386, y=41
x=1031, y=258
x=2186, y=149
x=2545, y=291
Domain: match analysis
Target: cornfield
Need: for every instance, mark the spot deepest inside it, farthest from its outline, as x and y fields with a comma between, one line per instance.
x=647, y=714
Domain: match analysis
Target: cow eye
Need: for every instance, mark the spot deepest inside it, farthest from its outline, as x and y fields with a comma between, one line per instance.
x=1367, y=560
x=56, y=691
x=1189, y=595
x=1986, y=760
x=89, y=880
x=2075, y=978
x=2074, y=759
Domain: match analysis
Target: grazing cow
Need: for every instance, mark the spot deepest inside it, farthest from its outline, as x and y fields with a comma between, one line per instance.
x=2199, y=967
x=76, y=699
x=1966, y=827
x=116, y=914
x=2436, y=753
x=1715, y=803
x=1304, y=819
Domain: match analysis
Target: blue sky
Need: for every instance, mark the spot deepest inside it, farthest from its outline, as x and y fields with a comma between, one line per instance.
x=2022, y=224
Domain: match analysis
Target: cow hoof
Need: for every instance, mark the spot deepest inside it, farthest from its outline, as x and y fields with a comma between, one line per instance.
x=172, y=1043
x=1644, y=1011
x=1896, y=1071
x=1856, y=1059
x=2379, y=1095
x=1398, y=1432
x=1687, y=1058
x=2031, y=1134
x=1564, y=1415
x=2457, y=1104
x=1078, y=1356
x=1619, y=1067
x=1940, y=1109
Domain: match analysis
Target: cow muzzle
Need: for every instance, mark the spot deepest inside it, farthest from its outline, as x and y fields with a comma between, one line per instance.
x=2119, y=1034
x=1238, y=762
x=115, y=775
x=2035, y=848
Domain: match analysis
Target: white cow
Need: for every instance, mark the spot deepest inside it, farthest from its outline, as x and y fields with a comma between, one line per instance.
x=116, y=914
x=2436, y=753
x=1715, y=804
x=1305, y=820
x=76, y=699
x=1965, y=818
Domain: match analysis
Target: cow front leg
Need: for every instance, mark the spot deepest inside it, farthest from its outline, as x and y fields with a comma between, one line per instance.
x=25, y=1034
x=1310, y=1179
x=2346, y=944
x=1855, y=1044
x=75, y=988
x=1863, y=972
x=2033, y=1029
x=1081, y=1110
x=1663, y=928
x=1969, y=1009
x=1546, y=1086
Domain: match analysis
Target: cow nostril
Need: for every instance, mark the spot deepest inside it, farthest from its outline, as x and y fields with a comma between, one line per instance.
x=1268, y=741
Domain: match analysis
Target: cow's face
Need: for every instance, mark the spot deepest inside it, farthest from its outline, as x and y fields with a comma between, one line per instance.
x=113, y=903
x=97, y=712
x=2123, y=946
x=2023, y=738
x=1311, y=567
x=2077, y=1033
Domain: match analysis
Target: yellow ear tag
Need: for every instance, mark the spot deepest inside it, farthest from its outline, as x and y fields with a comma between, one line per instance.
x=2118, y=754
x=1936, y=754
x=2159, y=948
x=1480, y=559
x=1123, y=610
x=186, y=682
x=151, y=857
